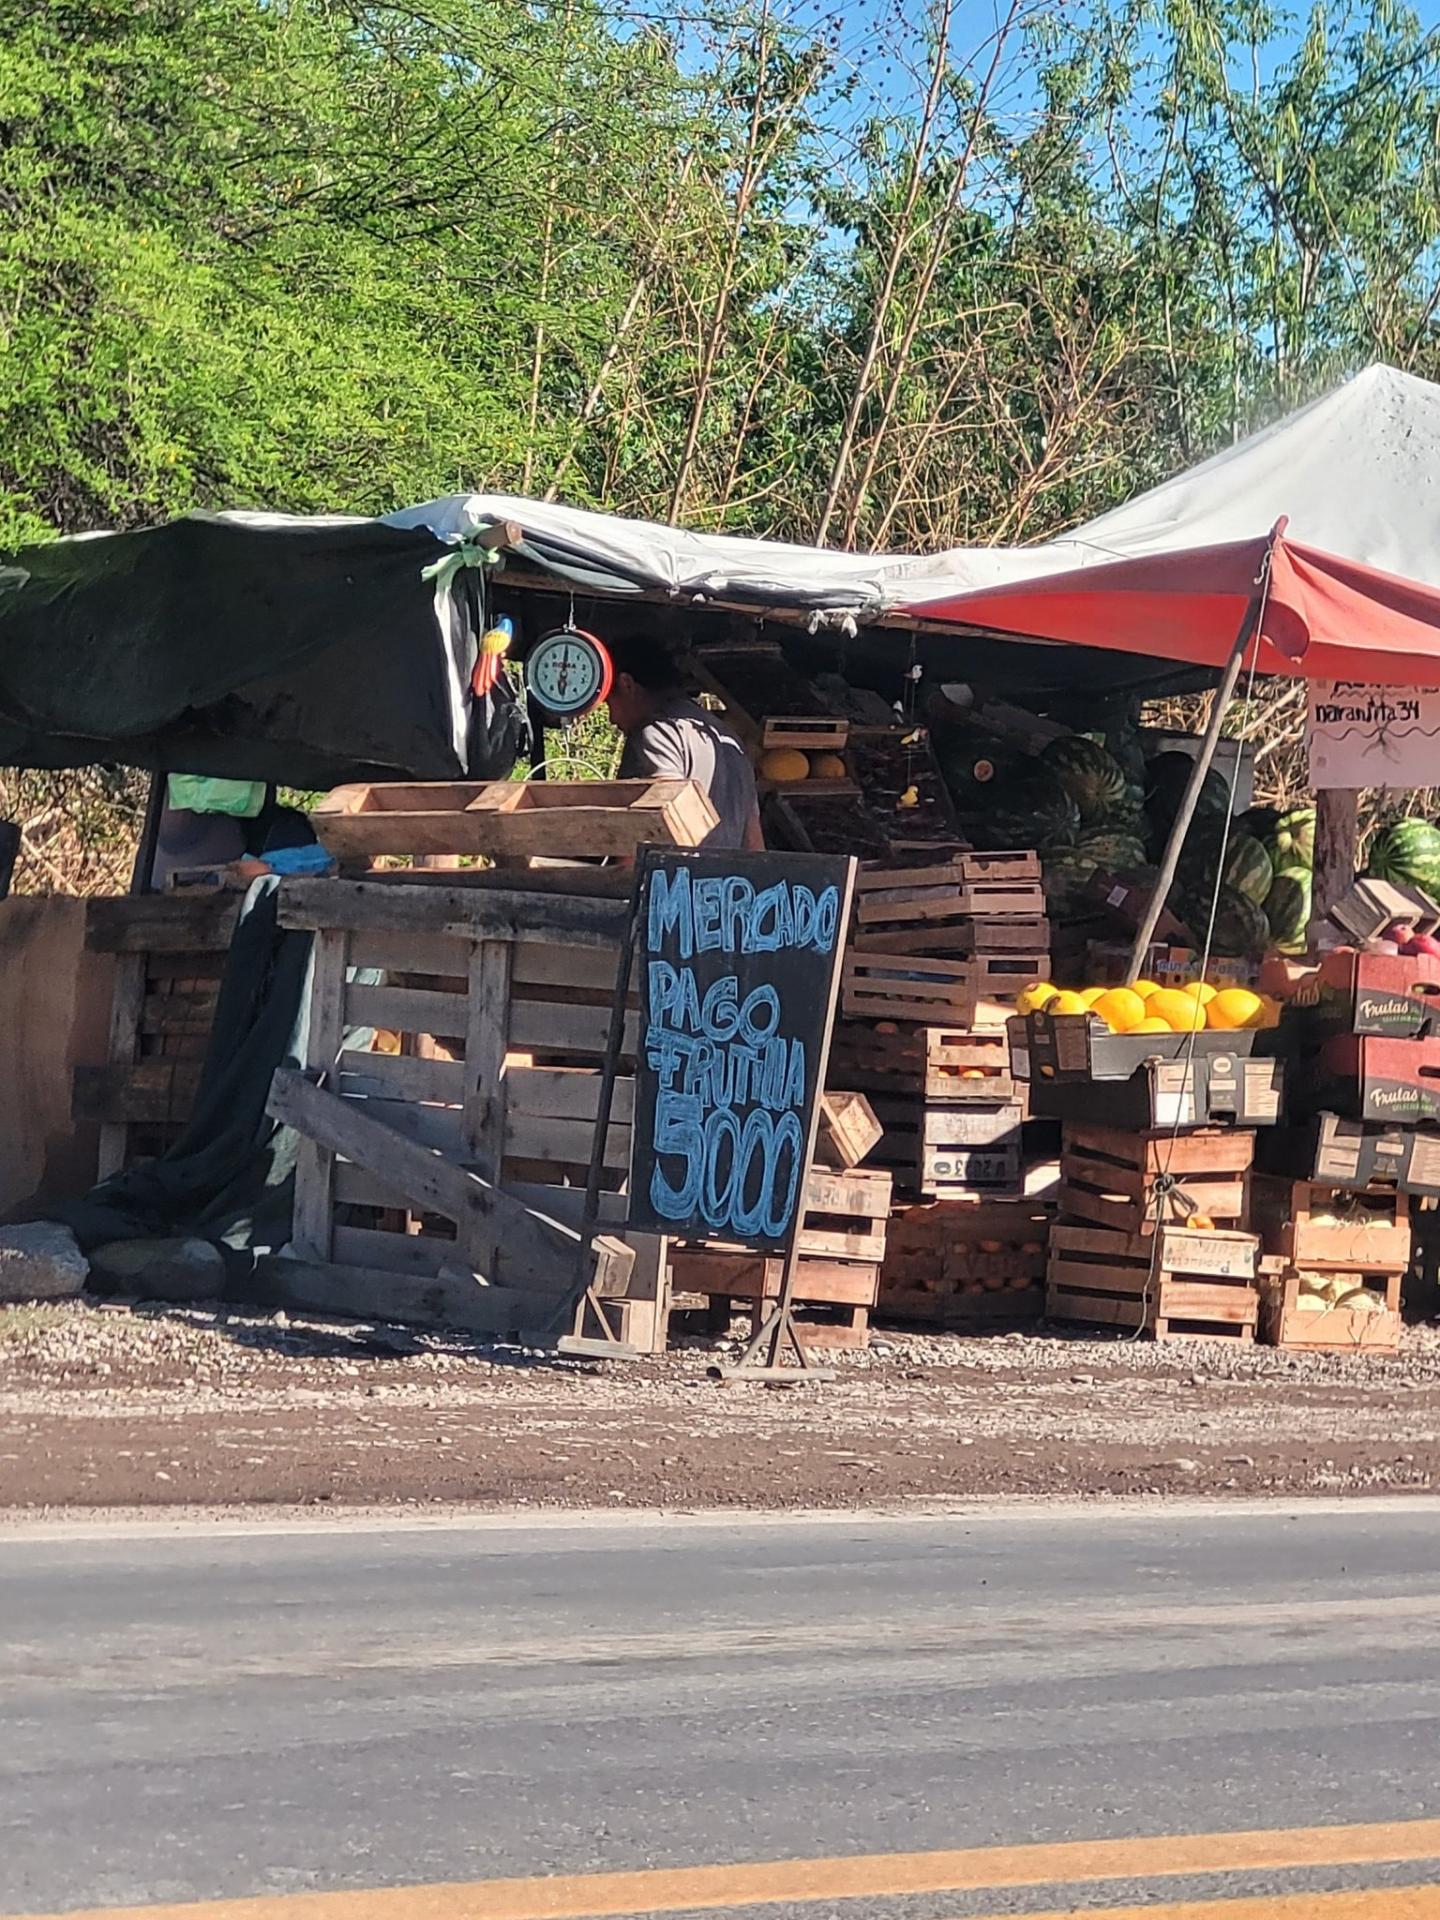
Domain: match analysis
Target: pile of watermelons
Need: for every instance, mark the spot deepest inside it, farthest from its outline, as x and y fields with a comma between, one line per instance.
x=1077, y=805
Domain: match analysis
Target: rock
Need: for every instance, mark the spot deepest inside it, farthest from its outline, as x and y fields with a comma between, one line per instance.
x=40, y=1261
x=1239, y=1459
x=1182, y=1465
x=172, y=1269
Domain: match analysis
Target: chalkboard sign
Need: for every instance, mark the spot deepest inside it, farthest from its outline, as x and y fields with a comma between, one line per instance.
x=738, y=958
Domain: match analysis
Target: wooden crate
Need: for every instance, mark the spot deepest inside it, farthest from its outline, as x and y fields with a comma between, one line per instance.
x=841, y=1246
x=1118, y=1179
x=847, y=1130
x=511, y=818
x=971, y=1151
x=951, y=1064
x=1179, y=1283
x=1334, y=1329
x=944, y=908
x=960, y=1264
x=917, y=987
x=1311, y=1224
x=767, y=701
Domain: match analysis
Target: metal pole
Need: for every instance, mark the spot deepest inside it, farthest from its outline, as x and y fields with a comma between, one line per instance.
x=1204, y=759
x=143, y=871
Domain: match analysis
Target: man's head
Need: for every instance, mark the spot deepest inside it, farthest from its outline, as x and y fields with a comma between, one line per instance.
x=645, y=672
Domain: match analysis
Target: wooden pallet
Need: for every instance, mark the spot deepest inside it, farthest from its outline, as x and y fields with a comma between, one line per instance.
x=1179, y=1283
x=1112, y=1178
x=914, y=987
x=1310, y=1224
x=170, y=954
x=1335, y=1329
x=496, y=1001
x=511, y=818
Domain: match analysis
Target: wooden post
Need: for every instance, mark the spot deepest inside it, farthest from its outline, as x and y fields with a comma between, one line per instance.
x=1204, y=759
x=1337, y=836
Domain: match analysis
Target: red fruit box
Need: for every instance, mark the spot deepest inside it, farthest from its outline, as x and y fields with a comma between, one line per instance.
x=1385, y=994
x=1374, y=1078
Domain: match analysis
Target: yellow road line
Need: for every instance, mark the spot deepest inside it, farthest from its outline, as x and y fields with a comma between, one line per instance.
x=592, y=1896
x=1378, y=1903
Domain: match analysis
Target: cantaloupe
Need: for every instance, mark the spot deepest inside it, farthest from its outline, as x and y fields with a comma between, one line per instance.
x=784, y=764
x=1234, y=1009
x=827, y=766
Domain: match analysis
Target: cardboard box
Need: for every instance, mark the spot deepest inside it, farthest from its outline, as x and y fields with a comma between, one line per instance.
x=1356, y=1154
x=1217, y=1090
x=1369, y=1078
x=1386, y=994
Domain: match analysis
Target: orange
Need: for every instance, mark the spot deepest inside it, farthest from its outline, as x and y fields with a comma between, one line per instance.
x=1235, y=1008
x=1181, y=1012
x=1121, y=1009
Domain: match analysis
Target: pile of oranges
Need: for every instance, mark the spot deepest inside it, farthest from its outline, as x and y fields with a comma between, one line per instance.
x=1147, y=1007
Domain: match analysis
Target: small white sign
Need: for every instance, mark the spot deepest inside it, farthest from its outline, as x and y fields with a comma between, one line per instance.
x=1360, y=735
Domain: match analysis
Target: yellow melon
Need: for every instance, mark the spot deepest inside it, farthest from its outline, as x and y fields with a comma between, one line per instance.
x=1068, y=1003
x=1200, y=990
x=1234, y=1008
x=784, y=764
x=1151, y=1025
x=1031, y=998
x=1091, y=994
x=1121, y=1009
x=1145, y=988
x=827, y=766
x=1178, y=1010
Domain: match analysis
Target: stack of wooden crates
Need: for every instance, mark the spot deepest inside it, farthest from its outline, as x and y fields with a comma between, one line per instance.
x=937, y=956
x=1151, y=1235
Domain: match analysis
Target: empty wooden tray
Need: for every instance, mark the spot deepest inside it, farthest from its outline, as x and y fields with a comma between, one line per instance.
x=558, y=819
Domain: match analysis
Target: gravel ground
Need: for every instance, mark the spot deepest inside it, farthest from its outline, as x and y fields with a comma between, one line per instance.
x=108, y=1404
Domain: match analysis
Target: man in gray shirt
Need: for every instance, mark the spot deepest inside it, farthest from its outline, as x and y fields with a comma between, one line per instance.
x=669, y=736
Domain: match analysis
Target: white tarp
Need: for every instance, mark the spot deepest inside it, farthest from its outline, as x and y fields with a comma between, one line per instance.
x=1355, y=472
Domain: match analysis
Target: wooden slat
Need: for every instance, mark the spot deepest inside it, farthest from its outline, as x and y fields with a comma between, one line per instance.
x=127, y=997
x=314, y=1163
x=570, y=1093
x=471, y=913
x=566, y=1143
x=161, y=923
x=486, y=1044
x=536, y=819
x=401, y=1076
x=422, y=1254
x=145, y=1093
x=444, y=956
x=371, y=1294
x=407, y=1010
x=551, y=1026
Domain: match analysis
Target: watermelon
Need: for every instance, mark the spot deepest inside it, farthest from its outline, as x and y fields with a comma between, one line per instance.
x=1262, y=822
x=1089, y=773
x=1067, y=878
x=1407, y=853
x=1248, y=868
x=1114, y=850
x=1287, y=907
x=1241, y=927
x=1030, y=809
x=1293, y=841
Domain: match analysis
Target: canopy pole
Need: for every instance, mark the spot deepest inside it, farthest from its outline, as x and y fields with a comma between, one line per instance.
x=1204, y=760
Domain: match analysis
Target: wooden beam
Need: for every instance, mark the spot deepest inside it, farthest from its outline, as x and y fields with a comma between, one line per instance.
x=542, y=1249
x=468, y=913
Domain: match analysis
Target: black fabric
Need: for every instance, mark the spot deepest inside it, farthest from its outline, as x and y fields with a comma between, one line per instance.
x=230, y=1176
x=306, y=653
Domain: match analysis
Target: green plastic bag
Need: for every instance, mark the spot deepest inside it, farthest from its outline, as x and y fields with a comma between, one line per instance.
x=241, y=799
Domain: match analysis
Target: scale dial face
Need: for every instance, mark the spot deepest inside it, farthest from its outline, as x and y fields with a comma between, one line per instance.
x=568, y=672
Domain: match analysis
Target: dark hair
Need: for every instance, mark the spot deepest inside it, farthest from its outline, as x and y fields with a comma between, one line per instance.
x=647, y=660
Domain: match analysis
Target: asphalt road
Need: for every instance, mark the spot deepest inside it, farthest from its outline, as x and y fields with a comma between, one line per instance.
x=200, y=1713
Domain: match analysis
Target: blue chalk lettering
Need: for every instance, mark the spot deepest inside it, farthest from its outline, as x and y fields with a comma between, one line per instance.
x=758, y=1000
x=678, y=1133
x=719, y=1013
x=739, y=902
x=663, y=982
x=787, y=1134
x=671, y=910
x=707, y=898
